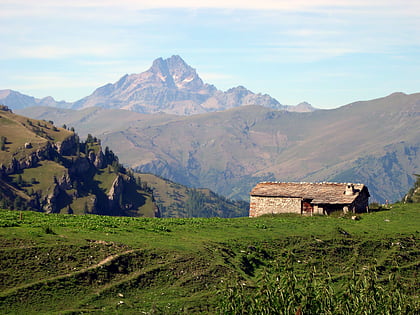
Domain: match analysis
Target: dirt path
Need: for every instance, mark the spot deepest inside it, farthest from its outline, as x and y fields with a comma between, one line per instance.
x=99, y=264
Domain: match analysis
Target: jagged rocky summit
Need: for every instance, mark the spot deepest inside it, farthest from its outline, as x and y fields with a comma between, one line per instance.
x=170, y=86
x=173, y=87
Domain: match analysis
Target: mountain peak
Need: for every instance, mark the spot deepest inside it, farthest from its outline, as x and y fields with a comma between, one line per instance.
x=176, y=59
x=172, y=64
x=172, y=86
x=174, y=72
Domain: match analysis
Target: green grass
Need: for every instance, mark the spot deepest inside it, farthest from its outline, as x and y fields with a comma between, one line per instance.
x=43, y=174
x=20, y=130
x=54, y=263
x=105, y=179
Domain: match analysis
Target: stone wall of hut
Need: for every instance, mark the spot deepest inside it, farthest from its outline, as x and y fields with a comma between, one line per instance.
x=273, y=205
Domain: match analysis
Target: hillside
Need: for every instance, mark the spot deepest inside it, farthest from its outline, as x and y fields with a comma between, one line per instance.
x=45, y=168
x=177, y=201
x=374, y=142
x=61, y=264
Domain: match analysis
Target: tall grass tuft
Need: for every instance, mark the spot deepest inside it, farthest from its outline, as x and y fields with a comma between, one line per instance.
x=313, y=292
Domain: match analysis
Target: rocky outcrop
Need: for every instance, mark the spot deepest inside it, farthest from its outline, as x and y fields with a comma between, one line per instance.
x=44, y=153
x=66, y=147
x=115, y=192
x=64, y=182
x=50, y=201
x=97, y=159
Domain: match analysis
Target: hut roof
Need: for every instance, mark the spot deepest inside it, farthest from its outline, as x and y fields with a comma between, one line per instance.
x=318, y=193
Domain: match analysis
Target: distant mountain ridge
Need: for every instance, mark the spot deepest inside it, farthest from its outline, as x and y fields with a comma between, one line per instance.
x=374, y=142
x=16, y=100
x=170, y=86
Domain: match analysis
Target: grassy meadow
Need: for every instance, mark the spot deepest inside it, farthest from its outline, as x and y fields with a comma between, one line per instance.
x=67, y=264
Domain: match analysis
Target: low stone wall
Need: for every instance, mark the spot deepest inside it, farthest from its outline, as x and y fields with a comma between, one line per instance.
x=272, y=205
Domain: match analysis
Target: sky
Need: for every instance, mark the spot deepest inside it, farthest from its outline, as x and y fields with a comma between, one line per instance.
x=326, y=52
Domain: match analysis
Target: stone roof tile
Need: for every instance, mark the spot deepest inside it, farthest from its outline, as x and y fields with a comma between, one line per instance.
x=318, y=193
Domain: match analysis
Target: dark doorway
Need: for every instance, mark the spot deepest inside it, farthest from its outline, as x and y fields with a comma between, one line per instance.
x=307, y=207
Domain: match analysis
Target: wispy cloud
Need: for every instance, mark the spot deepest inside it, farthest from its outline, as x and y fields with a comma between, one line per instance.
x=229, y=42
x=39, y=6
x=59, y=52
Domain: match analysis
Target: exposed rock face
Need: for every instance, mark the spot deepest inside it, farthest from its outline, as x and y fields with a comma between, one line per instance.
x=99, y=160
x=171, y=86
x=115, y=192
x=96, y=159
x=64, y=182
x=239, y=96
x=66, y=147
x=92, y=156
x=50, y=203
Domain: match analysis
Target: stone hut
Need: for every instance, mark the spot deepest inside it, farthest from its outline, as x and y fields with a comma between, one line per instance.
x=308, y=198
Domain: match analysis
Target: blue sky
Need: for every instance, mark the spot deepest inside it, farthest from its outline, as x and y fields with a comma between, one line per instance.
x=326, y=52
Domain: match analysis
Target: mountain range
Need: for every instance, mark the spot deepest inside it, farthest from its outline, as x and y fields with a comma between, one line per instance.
x=16, y=100
x=169, y=86
x=372, y=142
x=167, y=121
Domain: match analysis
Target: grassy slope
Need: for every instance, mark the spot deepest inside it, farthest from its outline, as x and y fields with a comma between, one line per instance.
x=43, y=174
x=58, y=263
x=172, y=199
x=19, y=130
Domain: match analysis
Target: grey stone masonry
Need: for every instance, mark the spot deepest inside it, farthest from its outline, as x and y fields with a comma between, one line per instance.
x=272, y=205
